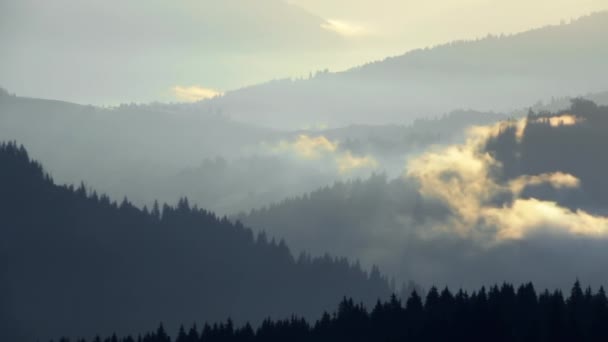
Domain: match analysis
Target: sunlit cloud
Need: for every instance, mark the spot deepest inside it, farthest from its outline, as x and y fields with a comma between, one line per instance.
x=557, y=180
x=348, y=163
x=461, y=176
x=308, y=147
x=321, y=148
x=194, y=93
x=525, y=216
x=561, y=120
x=485, y=132
x=344, y=28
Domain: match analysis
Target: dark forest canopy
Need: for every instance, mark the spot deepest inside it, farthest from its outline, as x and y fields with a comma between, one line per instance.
x=549, y=144
x=349, y=212
x=75, y=262
x=499, y=313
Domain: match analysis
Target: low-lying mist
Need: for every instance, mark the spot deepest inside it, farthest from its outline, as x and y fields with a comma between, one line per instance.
x=433, y=201
x=518, y=200
x=165, y=152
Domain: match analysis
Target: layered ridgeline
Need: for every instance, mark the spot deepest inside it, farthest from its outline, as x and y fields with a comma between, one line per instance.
x=498, y=73
x=500, y=313
x=76, y=263
x=517, y=198
x=168, y=151
x=225, y=43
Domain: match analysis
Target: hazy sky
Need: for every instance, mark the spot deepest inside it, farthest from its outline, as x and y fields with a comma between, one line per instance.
x=110, y=51
x=433, y=21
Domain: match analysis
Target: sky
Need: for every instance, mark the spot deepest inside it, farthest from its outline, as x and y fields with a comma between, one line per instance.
x=110, y=52
x=414, y=23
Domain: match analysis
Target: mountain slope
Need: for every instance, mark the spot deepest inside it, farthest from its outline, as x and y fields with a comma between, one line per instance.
x=128, y=150
x=168, y=151
x=527, y=202
x=495, y=73
x=76, y=263
x=573, y=142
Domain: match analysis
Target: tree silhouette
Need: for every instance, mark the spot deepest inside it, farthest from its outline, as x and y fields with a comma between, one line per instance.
x=86, y=264
x=511, y=315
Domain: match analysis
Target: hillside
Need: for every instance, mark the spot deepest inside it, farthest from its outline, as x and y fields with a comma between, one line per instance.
x=132, y=150
x=574, y=144
x=76, y=263
x=497, y=73
x=516, y=198
x=168, y=151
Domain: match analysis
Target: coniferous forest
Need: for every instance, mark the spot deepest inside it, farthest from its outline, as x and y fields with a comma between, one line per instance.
x=303, y=171
x=55, y=223
x=77, y=262
x=500, y=313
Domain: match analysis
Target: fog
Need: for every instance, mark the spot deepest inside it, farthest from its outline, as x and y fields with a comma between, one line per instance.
x=424, y=201
x=454, y=218
x=164, y=152
x=243, y=159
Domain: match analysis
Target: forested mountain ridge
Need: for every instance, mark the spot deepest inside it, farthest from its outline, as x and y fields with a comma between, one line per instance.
x=178, y=150
x=571, y=140
x=521, y=68
x=413, y=220
x=76, y=263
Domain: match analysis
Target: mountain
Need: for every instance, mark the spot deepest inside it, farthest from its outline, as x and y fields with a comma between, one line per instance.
x=521, y=199
x=561, y=103
x=570, y=141
x=168, y=151
x=129, y=150
x=76, y=263
x=497, y=73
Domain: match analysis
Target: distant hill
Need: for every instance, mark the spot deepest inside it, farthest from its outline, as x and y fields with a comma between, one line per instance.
x=497, y=73
x=413, y=235
x=124, y=148
x=76, y=263
x=557, y=104
x=167, y=151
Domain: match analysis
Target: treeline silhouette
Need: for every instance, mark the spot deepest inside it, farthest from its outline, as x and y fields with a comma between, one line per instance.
x=222, y=181
x=360, y=217
x=74, y=261
x=577, y=149
x=386, y=221
x=500, y=313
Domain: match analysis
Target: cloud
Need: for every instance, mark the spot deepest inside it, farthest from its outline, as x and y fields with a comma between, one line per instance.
x=525, y=216
x=308, y=147
x=321, y=148
x=562, y=120
x=557, y=179
x=344, y=28
x=347, y=162
x=194, y=93
x=486, y=209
